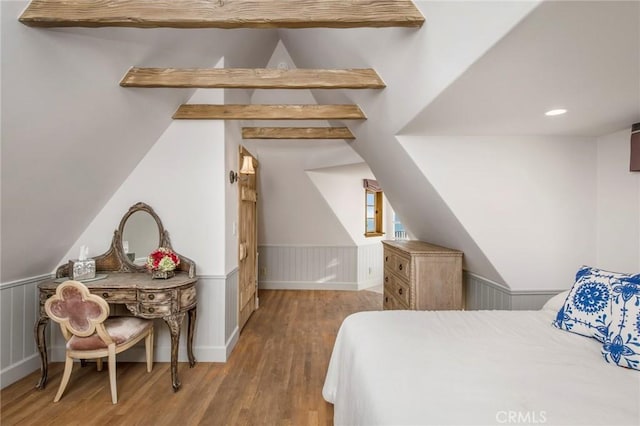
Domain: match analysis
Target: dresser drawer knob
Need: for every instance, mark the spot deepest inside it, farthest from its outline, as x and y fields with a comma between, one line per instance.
x=151, y=297
x=400, y=266
x=386, y=258
x=386, y=279
x=105, y=295
x=151, y=310
x=400, y=291
x=386, y=299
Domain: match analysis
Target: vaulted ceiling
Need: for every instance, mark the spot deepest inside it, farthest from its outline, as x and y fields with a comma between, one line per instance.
x=71, y=135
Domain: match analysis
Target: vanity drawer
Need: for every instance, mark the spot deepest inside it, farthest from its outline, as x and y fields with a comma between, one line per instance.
x=187, y=297
x=155, y=296
x=155, y=309
x=115, y=295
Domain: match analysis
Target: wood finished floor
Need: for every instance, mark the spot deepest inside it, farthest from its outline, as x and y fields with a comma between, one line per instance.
x=273, y=377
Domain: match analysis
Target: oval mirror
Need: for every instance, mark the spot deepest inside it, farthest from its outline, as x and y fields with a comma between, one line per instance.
x=140, y=236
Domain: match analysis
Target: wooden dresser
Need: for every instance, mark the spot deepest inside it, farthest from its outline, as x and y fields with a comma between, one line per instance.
x=422, y=276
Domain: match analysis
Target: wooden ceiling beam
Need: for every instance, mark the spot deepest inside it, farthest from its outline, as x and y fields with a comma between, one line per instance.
x=259, y=78
x=222, y=14
x=297, y=133
x=268, y=112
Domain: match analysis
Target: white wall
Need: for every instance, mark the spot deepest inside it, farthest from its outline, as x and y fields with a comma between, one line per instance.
x=527, y=201
x=71, y=134
x=291, y=210
x=417, y=65
x=618, y=206
x=342, y=188
x=181, y=178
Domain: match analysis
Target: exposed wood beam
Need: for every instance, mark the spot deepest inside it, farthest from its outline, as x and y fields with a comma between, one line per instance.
x=222, y=13
x=260, y=78
x=269, y=112
x=297, y=133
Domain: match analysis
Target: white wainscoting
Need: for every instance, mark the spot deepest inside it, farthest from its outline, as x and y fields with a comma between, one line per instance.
x=231, y=330
x=19, y=355
x=484, y=294
x=370, y=265
x=308, y=267
x=319, y=267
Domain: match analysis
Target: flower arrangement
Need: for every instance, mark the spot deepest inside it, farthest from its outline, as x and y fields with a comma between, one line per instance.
x=162, y=260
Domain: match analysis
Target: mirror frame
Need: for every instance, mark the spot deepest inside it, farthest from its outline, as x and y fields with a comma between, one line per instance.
x=116, y=260
x=163, y=237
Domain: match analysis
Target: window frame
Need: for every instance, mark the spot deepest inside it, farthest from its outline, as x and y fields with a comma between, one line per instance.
x=377, y=213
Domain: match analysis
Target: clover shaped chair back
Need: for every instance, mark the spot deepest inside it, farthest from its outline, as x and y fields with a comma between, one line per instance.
x=78, y=311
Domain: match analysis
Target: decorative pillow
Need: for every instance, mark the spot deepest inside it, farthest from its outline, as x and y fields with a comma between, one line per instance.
x=622, y=342
x=556, y=302
x=587, y=309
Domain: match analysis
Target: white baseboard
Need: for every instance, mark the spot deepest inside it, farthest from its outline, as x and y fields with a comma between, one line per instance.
x=363, y=285
x=231, y=342
x=293, y=285
x=17, y=371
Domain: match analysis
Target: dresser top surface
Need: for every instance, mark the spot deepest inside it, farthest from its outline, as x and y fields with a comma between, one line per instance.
x=130, y=280
x=418, y=247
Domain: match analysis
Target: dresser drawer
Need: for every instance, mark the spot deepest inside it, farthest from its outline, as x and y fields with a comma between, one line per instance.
x=390, y=302
x=116, y=295
x=397, y=263
x=398, y=288
x=403, y=266
x=402, y=292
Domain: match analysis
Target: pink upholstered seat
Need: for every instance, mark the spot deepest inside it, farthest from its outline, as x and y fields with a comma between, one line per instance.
x=91, y=334
x=121, y=329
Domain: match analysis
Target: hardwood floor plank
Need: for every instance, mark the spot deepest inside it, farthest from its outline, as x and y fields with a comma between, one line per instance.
x=274, y=375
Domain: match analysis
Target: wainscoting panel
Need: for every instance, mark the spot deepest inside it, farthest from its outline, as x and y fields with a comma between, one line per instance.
x=370, y=265
x=18, y=353
x=231, y=332
x=308, y=267
x=484, y=294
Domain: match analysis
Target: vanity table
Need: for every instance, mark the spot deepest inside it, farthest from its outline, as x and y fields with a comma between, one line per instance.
x=128, y=284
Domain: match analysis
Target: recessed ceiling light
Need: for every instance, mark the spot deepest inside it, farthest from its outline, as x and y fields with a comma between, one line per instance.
x=554, y=112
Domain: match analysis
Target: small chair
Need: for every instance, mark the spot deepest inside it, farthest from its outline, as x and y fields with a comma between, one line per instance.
x=91, y=334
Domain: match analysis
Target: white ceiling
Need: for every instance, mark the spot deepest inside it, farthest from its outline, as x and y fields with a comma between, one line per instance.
x=582, y=56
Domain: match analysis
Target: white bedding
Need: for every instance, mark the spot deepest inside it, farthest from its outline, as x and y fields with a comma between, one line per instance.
x=473, y=368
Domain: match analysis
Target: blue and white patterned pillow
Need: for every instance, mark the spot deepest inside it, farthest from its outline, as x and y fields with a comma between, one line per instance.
x=622, y=342
x=587, y=309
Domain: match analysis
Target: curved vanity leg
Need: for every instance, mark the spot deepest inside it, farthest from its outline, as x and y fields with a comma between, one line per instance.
x=41, y=342
x=175, y=324
x=190, y=331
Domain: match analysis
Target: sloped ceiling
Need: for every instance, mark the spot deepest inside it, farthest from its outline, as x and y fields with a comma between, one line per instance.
x=71, y=135
x=292, y=211
x=582, y=56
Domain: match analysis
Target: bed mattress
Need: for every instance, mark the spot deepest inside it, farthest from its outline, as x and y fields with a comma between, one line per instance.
x=474, y=368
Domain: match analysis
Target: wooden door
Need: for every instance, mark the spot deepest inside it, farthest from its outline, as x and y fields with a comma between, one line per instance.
x=247, y=242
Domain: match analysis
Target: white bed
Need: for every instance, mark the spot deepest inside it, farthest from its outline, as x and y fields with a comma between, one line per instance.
x=474, y=368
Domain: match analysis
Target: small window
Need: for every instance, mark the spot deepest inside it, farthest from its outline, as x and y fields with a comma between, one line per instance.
x=399, y=233
x=373, y=209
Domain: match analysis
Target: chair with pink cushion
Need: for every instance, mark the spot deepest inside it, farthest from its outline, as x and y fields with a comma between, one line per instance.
x=91, y=334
